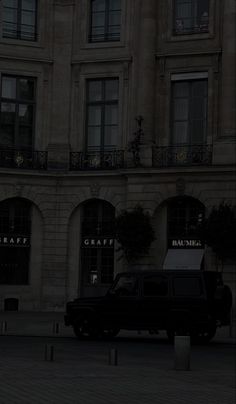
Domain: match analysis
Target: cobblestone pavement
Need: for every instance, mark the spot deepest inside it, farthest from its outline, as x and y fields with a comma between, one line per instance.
x=81, y=374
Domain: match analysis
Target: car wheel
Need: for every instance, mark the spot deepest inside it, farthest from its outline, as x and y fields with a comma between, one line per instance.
x=86, y=329
x=110, y=333
x=204, y=336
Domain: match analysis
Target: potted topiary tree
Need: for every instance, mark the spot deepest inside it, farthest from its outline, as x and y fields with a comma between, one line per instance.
x=218, y=231
x=134, y=233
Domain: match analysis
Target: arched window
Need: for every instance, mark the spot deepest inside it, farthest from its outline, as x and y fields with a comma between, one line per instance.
x=97, y=245
x=15, y=229
x=184, y=215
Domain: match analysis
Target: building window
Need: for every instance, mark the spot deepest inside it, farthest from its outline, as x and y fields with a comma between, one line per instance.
x=17, y=112
x=105, y=20
x=189, y=112
x=102, y=114
x=184, y=216
x=97, y=248
x=15, y=230
x=190, y=16
x=19, y=19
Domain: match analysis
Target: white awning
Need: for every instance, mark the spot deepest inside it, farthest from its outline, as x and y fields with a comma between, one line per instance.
x=183, y=258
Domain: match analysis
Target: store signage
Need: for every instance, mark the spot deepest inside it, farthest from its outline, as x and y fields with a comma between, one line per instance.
x=185, y=243
x=100, y=242
x=14, y=241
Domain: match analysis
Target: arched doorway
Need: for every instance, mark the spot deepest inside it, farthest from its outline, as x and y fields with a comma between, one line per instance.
x=97, y=247
x=185, y=249
x=15, y=234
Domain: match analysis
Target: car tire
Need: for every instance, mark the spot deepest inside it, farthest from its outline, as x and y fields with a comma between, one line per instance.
x=85, y=328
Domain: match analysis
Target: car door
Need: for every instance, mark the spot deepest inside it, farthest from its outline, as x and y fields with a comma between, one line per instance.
x=154, y=305
x=121, y=308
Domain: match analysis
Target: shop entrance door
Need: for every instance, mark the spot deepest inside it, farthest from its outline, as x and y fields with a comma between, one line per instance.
x=97, y=248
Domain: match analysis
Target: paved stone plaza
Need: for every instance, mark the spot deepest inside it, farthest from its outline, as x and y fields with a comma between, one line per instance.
x=80, y=372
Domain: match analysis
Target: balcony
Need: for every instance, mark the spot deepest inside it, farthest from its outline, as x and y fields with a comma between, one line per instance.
x=173, y=156
x=97, y=160
x=23, y=159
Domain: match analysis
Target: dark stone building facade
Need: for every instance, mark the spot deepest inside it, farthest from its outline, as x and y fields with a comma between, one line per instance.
x=80, y=80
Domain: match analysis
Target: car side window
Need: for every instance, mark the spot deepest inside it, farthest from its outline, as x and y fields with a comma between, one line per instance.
x=155, y=285
x=187, y=286
x=126, y=286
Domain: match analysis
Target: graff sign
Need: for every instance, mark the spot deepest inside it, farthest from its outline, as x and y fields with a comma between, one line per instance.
x=14, y=241
x=98, y=242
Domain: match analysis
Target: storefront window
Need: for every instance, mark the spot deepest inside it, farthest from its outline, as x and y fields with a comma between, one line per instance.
x=97, y=247
x=15, y=229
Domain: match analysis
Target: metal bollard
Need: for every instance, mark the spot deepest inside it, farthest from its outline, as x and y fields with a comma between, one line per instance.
x=49, y=353
x=3, y=327
x=113, y=357
x=55, y=327
x=182, y=352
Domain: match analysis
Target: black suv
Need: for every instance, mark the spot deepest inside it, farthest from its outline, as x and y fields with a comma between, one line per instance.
x=180, y=302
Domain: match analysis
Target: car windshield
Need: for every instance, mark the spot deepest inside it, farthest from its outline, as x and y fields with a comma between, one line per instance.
x=126, y=285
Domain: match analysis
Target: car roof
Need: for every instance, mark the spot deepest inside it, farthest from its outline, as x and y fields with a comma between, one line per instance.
x=185, y=272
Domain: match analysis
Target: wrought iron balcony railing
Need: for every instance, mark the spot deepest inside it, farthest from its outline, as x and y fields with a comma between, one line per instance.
x=25, y=159
x=97, y=160
x=185, y=26
x=172, y=156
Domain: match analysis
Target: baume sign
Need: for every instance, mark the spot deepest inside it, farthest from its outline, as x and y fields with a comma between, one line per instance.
x=14, y=241
x=98, y=242
x=184, y=243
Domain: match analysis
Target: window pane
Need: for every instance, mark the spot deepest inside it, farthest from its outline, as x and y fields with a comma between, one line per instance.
x=25, y=114
x=98, y=34
x=94, y=115
x=10, y=15
x=126, y=286
x=110, y=137
x=8, y=87
x=187, y=286
x=25, y=137
x=26, y=89
x=29, y=5
x=94, y=136
x=111, y=115
x=155, y=286
x=28, y=32
x=7, y=135
x=180, y=133
x=7, y=113
x=98, y=20
x=111, y=89
x=27, y=18
x=10, y=3
x=181, y=109
x=95, y=90
x=114, y=18
x=180, y=89
x=115, y=5
x=98, y=5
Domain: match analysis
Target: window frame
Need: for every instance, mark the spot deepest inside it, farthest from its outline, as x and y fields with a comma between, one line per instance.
x=13, y=219
x=19, y=11
x=192, y=30
x=106, y=25
x=189, y=78
x=16, y=143
x=97, y=211
x=146, y=296
x=103, y=103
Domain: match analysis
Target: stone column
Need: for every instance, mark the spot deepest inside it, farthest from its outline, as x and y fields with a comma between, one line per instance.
x=61, y=98
x=146, y=48
x=228, y=98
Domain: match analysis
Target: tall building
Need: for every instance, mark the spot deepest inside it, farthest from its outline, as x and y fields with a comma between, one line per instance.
x=106, y=104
